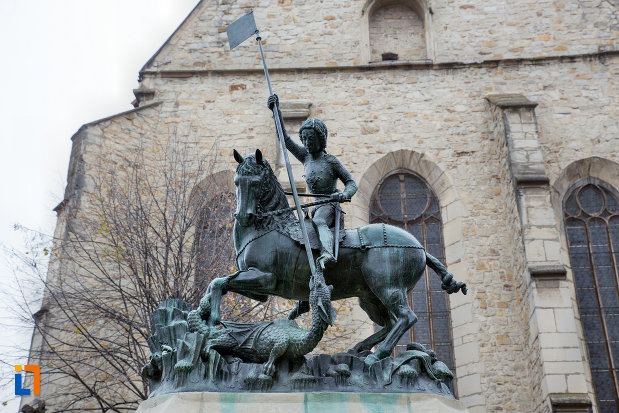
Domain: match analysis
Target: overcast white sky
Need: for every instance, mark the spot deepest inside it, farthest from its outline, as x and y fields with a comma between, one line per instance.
x=63, y=63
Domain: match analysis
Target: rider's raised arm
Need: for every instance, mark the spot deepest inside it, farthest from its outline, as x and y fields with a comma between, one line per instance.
x=350, y=186
x=294, y=148
x=299, y=151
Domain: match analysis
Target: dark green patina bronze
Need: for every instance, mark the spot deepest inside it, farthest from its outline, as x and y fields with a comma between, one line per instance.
x=322, y=173
x=189, y=355
x=276, y=253
x=195, y=351
x=377, y=263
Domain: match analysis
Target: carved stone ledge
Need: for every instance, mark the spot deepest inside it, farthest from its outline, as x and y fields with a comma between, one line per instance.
x=38, y=406
x=142, y=95
x=58, y=208
x=510, y=100
x=570, y=403
x=300, y=185
x=531, y=179
x=296, y=109
x=548, y=272
x=196, y=402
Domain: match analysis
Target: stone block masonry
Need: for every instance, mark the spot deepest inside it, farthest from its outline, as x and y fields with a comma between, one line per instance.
x=499, y=166
x=551, y=319
x=298, y=34
x=442, y=127
x=299, y=402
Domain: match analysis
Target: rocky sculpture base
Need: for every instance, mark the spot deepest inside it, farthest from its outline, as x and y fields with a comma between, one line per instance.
x=411, y=372
x=178, y=364
x=301, y=403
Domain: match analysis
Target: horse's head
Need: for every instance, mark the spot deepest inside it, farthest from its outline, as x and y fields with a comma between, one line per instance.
x=251, y=175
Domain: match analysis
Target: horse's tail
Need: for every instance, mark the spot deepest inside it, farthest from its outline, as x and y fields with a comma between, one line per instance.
x=449, y=284
x=436, y=265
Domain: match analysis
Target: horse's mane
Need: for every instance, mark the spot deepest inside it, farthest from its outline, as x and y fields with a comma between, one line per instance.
x=272, y=196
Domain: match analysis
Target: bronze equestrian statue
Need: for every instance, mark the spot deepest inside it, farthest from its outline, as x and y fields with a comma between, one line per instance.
x=275, y=255
x=377, y=263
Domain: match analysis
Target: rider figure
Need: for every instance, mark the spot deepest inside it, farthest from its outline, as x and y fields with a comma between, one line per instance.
x=322, y=172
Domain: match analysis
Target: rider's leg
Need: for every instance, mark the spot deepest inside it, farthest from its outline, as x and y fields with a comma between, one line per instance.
x=323, y=219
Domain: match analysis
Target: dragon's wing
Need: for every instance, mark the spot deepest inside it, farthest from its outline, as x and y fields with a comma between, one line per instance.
x=245, y=334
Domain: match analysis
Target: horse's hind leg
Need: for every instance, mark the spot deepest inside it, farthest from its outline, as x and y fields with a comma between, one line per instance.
x=378, y=313
x=372, y=340
x=397, y=303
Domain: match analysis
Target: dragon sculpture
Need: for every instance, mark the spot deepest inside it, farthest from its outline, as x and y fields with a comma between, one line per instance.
x=266, y=342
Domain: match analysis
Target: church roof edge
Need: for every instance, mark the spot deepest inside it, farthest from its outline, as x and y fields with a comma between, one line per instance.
x=95, y=122
x=154, y=56
x=402, y=65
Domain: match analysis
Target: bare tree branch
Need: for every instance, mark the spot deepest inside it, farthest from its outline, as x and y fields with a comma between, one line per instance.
x=152, y=225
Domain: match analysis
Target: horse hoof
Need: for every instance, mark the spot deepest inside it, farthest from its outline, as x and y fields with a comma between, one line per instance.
x=371, y=359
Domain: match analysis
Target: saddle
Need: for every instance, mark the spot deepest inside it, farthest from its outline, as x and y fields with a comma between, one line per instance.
x=366, y=237
x=294, y=232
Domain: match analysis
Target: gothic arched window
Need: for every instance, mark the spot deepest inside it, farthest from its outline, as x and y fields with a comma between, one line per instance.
x=405, y=199
x=591, y=213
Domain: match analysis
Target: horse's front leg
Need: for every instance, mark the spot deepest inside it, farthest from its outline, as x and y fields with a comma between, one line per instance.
x=216, y=289
x=252, y=283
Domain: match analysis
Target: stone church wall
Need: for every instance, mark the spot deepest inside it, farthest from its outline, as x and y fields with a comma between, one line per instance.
x=306, y=33
x=443, y=116
x=517, y=339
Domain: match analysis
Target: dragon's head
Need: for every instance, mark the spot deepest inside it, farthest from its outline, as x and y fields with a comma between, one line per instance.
x=320, y=299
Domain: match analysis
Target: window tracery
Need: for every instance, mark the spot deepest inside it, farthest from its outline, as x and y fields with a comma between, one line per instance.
x=405, y=199
x=591, y=216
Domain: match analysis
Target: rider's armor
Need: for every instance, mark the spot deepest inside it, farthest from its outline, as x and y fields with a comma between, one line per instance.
x=322, y=171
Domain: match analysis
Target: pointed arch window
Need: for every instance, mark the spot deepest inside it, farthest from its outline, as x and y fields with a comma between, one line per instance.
x=591, y=214
x=405, y=199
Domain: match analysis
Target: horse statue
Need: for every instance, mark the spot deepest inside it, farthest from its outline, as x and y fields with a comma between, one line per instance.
x=377, y=263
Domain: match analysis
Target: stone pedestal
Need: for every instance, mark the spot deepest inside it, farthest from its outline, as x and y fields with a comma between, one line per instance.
x=300, y=403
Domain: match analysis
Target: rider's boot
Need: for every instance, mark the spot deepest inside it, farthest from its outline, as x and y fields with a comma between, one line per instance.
x=326, y=239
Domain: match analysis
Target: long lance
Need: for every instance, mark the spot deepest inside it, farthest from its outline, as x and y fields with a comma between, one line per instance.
x=239, y=31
